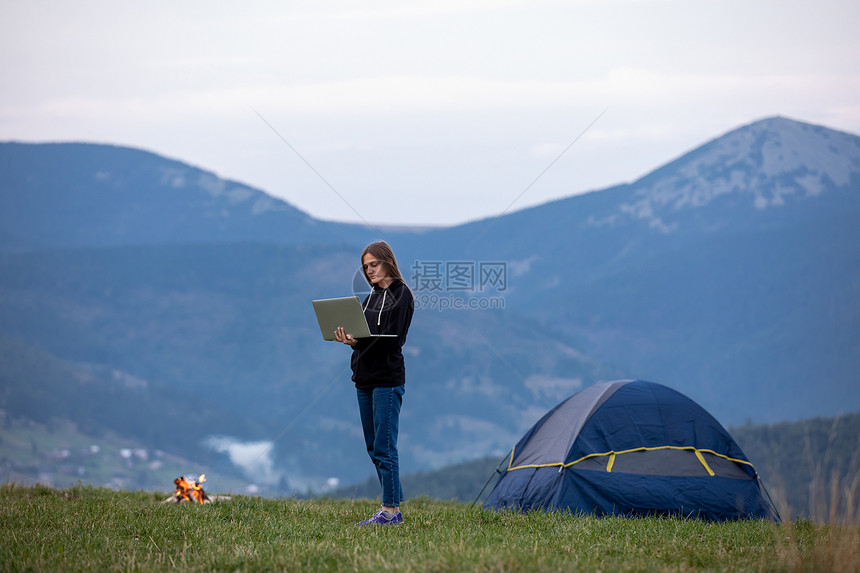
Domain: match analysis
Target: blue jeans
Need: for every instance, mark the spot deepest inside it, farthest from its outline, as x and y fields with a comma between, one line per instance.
x=379, y=409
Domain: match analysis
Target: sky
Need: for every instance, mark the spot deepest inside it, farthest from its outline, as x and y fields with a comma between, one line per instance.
x=422, y=113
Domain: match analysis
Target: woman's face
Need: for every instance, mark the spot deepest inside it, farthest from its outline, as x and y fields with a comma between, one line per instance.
x=375, y=270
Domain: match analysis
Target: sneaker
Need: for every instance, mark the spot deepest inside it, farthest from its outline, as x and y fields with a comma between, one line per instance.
x=383, y=518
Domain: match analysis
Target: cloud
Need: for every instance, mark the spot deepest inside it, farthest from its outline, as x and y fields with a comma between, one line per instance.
x=390, y=96
x=252, y=457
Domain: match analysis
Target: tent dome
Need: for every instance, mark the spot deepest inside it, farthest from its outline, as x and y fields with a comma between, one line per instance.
x=631, y=447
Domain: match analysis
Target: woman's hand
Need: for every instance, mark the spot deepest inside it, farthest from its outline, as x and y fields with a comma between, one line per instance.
x=342, y=336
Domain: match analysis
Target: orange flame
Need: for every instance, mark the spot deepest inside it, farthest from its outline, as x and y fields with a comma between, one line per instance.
x=185, y=490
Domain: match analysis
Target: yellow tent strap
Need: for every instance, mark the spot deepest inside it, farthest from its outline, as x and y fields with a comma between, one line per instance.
x=613, y=453
x=704, y=463
x=688, y=448
x=611, y=462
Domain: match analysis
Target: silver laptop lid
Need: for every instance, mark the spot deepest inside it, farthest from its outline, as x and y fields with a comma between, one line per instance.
x=346, y=312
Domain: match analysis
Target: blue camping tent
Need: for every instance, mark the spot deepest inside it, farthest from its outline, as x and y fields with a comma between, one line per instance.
x=631, y=447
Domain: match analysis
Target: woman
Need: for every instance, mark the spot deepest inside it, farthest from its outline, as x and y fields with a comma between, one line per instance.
x=379, y=372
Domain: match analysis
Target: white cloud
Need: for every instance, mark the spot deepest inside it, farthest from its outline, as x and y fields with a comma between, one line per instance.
x=626, y=88
x=252, y=457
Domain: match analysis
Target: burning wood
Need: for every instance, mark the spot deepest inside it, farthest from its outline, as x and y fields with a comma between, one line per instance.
x=190, y=490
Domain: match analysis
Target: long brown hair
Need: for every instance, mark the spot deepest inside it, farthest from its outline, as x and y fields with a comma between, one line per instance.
x=382, y=251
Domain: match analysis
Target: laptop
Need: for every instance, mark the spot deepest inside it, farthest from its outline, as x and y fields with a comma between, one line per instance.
x=345, y=312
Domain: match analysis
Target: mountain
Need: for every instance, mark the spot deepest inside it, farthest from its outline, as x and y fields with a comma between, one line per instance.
x=77, y=194
x=730, y=274
x=63, y=422
x=232, y=324
x=732, y=271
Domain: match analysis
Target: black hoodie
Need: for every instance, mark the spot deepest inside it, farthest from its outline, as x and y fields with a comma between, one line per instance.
x=379, y=361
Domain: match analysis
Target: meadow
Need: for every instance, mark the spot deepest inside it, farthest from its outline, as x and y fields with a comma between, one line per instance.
x=90, y=529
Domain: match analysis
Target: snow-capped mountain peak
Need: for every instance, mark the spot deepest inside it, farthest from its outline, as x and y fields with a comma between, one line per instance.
x=765, y=164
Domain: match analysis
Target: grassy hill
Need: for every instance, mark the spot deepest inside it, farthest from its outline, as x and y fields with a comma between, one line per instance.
x=83, y=529
x=59, y=453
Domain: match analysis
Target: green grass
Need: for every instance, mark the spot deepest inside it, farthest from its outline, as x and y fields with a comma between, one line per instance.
x=88, y=529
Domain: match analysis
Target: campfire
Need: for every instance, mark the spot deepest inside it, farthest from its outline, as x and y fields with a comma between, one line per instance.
x=189, y=489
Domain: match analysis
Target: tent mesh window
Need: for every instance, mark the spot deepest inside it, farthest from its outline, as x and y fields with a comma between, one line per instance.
x=665, y=462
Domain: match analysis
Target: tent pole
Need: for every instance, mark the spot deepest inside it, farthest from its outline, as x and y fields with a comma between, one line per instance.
x=769, y=499
x=492, y=475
